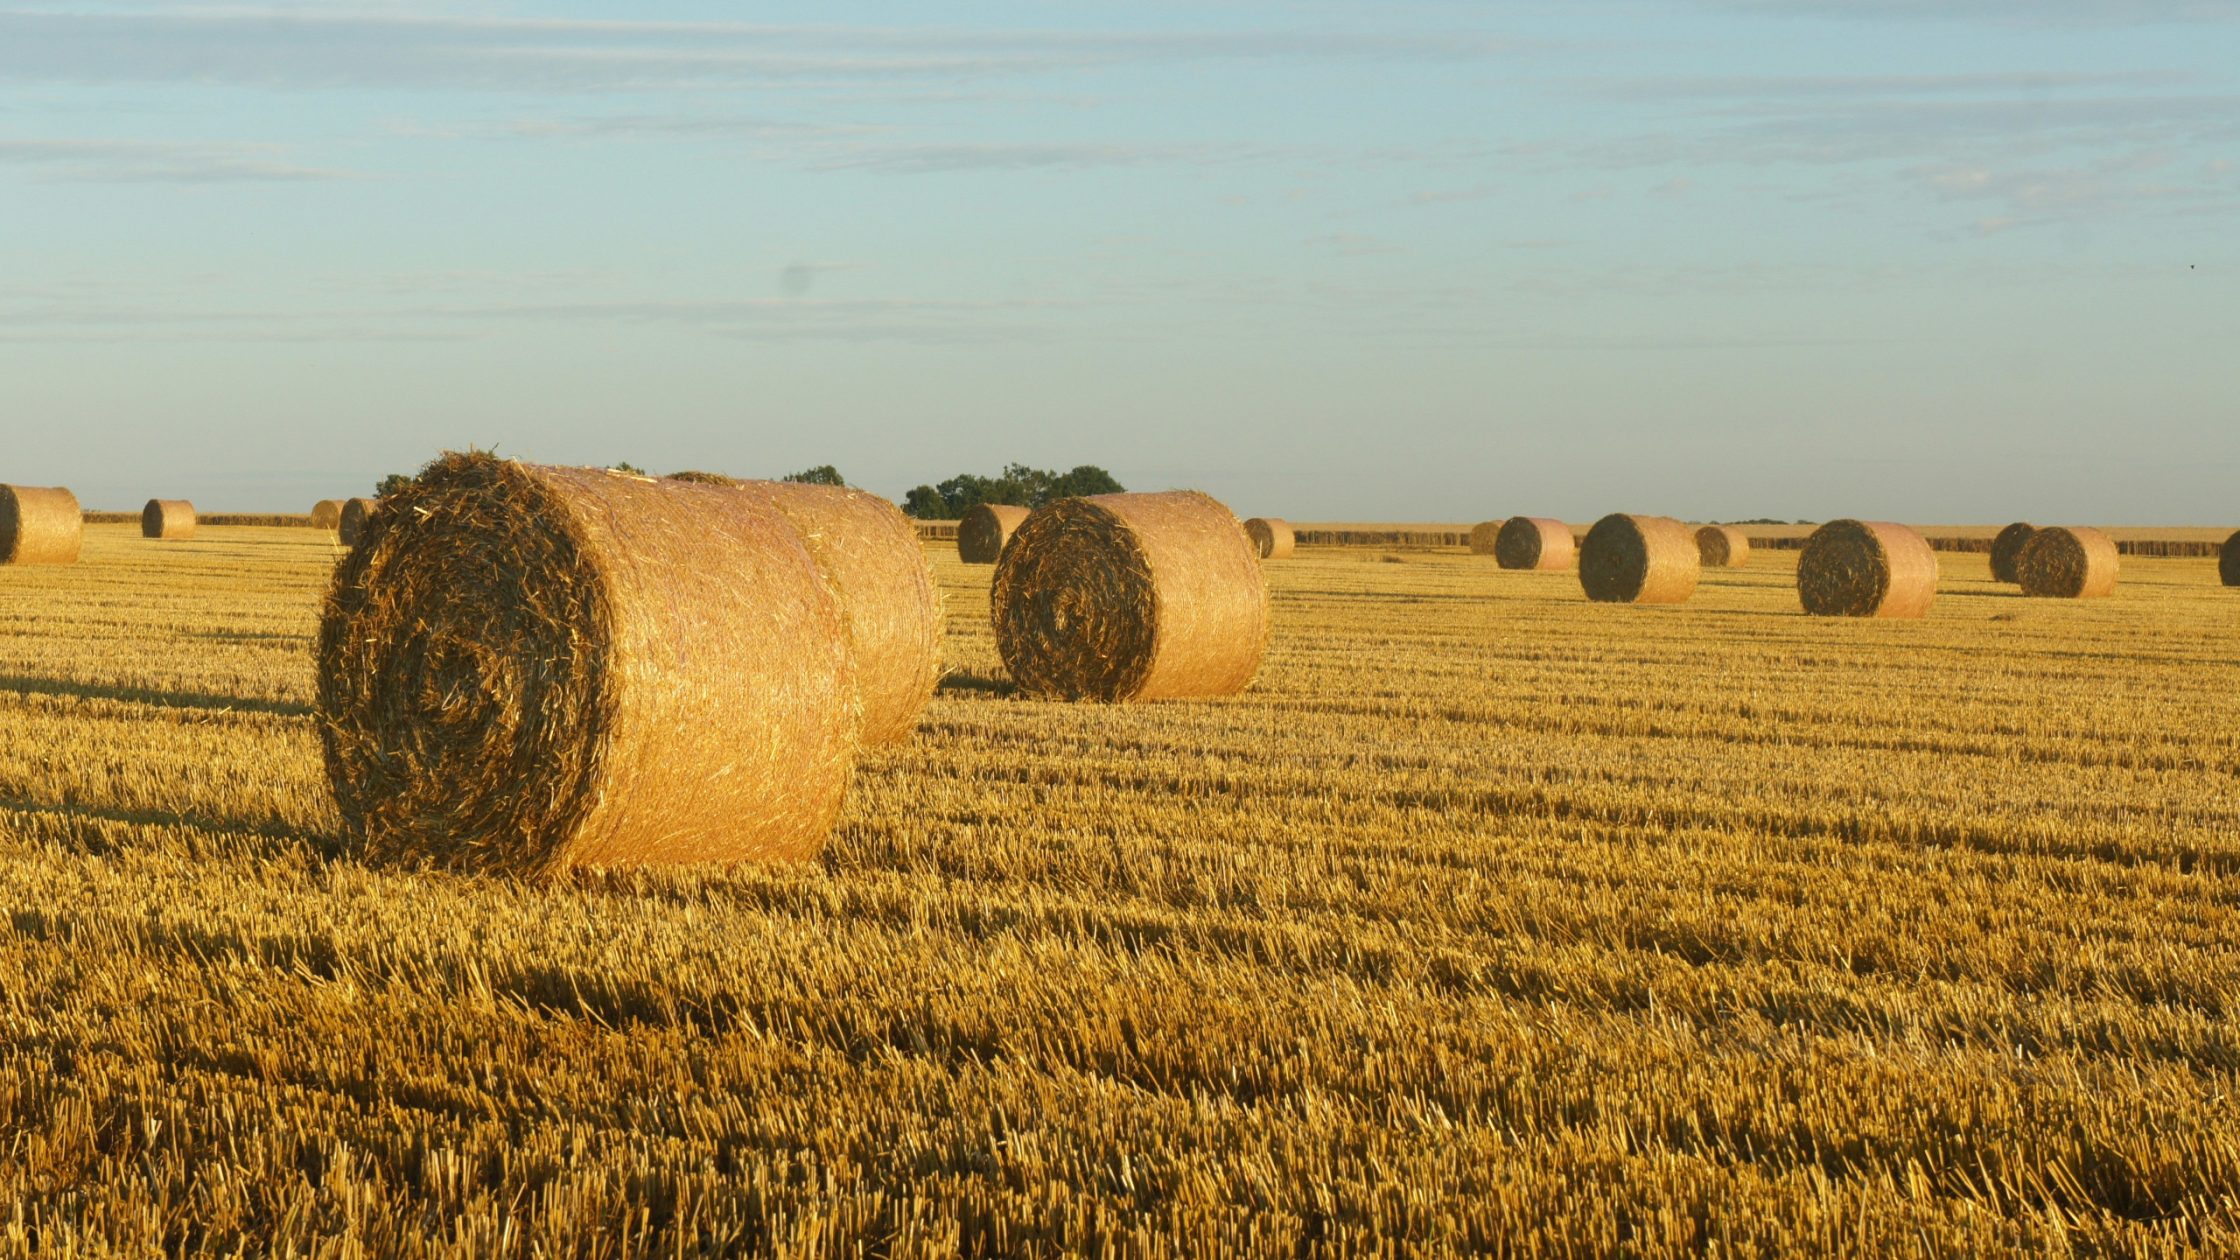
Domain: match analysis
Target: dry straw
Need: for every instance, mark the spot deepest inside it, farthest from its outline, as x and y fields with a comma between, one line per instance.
x=1639, y=560
x=167, y=518
x=2068, y=562
x=528, y=669
x=356, y=515
x=1866, y=569
x=40, y=525
x=1485, y=536
x=985, y=530
x=1722, y=547
x=1271, y=537
x=2007, y=548
x=1535, y=542
x=326, y=514
x=2228, y=561
x=1131, y=597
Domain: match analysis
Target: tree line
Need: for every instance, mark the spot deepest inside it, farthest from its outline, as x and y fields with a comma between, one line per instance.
x=1018, y=485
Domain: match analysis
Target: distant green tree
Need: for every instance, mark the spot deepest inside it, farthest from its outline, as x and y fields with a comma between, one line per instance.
x=391, y=484
x=627, y=467
x=925, y=503
x=1017, y=484
x=821, y=475
x=1085, y=479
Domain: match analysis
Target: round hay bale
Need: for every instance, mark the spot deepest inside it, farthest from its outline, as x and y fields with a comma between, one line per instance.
x=984, y=530
x=1722, y=547
x=356, y=515
x=2228, y=561
x=2007, y=548
x=1866, y=569
x=1639, y=560
x=527, y=669
x=326, y=514
x=1484, y=537
x=40, y=525
x=2067, y=562
x=1131, y=597
x=1271, y=537
x=167, y=518
x=1535, y=542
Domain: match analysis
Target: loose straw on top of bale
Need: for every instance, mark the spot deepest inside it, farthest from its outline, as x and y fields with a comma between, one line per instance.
x=40, y=525
x=1639, y=560
x=2068, y=562
x=1271, y=537
x=1866, y=569
x=2228, y=561
x=1722, y=547
x=526, y=669
x=1485, y=536
x=984, y=531
x=2007, y=548
x=326, y=514
x=1535, y=542
x=356, y=515
x=167, y=518
x=1131, y=597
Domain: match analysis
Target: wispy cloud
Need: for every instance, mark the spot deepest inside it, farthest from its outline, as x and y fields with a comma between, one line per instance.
x=149, y=162
x=2004, y=12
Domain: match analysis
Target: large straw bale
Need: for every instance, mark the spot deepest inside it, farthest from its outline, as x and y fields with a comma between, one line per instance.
x=526, y=669
x=1722, y=547
x=1639, y=560
x=2068, y=562
x=1131, y=597
x=167, y=518
x=40, y=525
x=1866, y=569
x=1535, y=542
x=356, y=515
x=1485, y=536
x=2007, y=548
x=984, y=531
x=2228, y=561
x=326, y=514
x=1271, y=537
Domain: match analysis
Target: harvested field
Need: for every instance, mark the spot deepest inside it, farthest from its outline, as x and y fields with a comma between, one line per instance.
x=1486, y=917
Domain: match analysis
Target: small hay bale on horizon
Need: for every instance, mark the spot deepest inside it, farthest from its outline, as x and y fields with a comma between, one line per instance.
x=356, y=515
x=1722, y=547
x=527, y=669
x=2068, y=562
x=1272, y=537
x=1120, y=597
x=1630, y=559
x=167, y=518
x=326, y=514
x=1484, y=536
x=1866, y=569
x=2006, y=549
x=984, y=531
x=40, y=525
x=1535, y=543
x=2228, y=561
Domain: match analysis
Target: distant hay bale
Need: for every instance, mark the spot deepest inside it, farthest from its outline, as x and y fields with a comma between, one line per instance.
x=1271, y=537
x=2228, y=561
x=40, y=525
x=984, y=530
x=527, y=669
x=1722, y=547
x=1484, y=536
x=1639, y=560
x=1131, y=597
x=2068, y=562
x=356, y=514
x=167, y=518
x=1535, y=542
x=2007, y=548
x=1866, y=569
x=326, y=514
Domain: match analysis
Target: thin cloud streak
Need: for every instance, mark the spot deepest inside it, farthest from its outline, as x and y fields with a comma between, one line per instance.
x=146, y=162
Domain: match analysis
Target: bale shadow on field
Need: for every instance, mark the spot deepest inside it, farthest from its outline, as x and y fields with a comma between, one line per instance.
x=26, y=684
x=967, y=681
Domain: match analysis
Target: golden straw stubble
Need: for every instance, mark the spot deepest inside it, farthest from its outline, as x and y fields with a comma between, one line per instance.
x=1866, y=569
x=1131, y=597
x=1535, y=542
x=984, y=531
x=167, y=518
x=2068, y=562
x=1271, y=537
x=2006, y=549
x=1722, y=547
x=40, y=525
x=527, y=669
x=1639, y=560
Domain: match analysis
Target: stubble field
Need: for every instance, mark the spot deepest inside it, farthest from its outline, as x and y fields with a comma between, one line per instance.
x=1489, y=920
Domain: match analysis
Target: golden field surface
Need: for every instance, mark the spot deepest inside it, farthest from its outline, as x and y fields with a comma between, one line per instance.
x=1488, y=921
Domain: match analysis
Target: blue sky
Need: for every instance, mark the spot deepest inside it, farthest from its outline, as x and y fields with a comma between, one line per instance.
x=1938, y=261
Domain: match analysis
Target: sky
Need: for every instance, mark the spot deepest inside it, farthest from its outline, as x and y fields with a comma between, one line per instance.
x=1416, y=260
